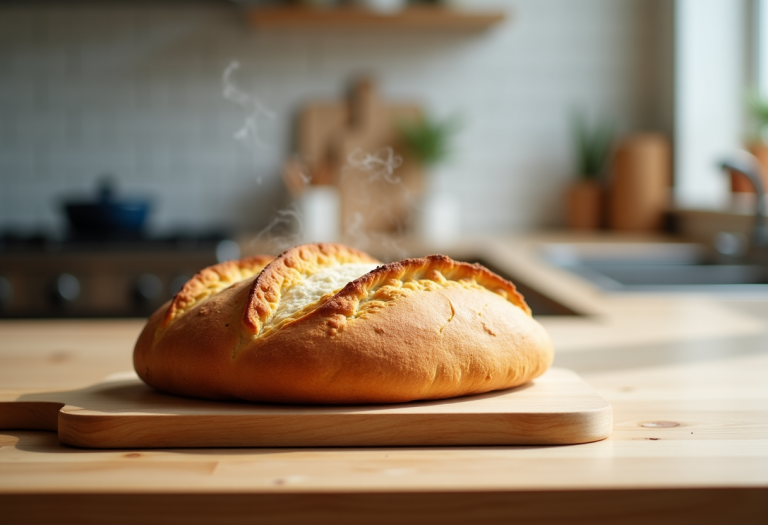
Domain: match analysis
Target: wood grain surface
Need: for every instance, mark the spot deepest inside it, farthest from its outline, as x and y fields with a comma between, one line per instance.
x=685, y=375
x=122, y=412
x=660, y=507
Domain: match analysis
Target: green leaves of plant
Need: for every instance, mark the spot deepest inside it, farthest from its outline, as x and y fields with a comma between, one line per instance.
x=758, y=107
x=593, y=145
x=429, y=140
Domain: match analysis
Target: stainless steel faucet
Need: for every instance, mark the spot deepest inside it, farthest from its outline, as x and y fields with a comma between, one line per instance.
x=748, y=165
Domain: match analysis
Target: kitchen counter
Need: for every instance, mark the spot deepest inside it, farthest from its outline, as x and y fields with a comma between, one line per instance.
x=686, y=375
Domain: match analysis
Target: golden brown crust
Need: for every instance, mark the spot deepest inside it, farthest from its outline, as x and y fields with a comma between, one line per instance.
x=415, y=329
x=381, y=284
x=211, y=280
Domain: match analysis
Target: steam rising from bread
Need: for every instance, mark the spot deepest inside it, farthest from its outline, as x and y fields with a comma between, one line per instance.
x=248, y=134
x=379, y=165
x=363, y=169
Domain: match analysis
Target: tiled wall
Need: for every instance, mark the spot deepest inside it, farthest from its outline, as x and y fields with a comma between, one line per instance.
x=134, y=89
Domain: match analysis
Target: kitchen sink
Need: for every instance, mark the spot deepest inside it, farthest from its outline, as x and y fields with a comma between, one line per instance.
x=680, y=267
x=539, y=303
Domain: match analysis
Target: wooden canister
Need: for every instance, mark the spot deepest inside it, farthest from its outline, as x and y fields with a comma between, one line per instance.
x=640, y=180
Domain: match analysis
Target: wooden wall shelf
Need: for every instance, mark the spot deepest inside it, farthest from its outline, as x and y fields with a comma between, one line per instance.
x=423, y=18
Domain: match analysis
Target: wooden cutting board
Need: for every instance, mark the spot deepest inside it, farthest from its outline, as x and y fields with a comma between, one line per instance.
x=122, y=412
x=329, y=133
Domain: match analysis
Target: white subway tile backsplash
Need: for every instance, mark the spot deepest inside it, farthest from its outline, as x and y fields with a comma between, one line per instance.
x=136, y=90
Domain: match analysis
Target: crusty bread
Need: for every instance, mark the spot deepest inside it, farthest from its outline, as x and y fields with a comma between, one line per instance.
x=323, y=323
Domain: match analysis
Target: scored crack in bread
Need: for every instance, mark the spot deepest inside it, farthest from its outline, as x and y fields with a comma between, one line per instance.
x=324, y=323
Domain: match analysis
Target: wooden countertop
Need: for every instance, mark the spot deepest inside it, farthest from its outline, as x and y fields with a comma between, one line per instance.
x=686, y=374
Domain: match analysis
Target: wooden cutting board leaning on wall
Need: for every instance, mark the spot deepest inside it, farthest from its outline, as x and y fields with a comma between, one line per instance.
x=373, y=200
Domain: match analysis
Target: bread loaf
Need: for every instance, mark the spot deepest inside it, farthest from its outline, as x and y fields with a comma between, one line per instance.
x=324, y=323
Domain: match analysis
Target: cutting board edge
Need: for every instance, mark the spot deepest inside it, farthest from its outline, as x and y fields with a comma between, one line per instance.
x=30, y=415
x=91, y=428
x=110, y=432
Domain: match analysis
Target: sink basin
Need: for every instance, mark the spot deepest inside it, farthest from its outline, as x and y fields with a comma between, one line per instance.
x=576, y=254
x=684, y=267
x=690, y=277
x=539, y=303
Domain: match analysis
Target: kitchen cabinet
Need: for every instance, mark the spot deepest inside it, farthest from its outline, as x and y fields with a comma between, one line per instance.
x=417, y=18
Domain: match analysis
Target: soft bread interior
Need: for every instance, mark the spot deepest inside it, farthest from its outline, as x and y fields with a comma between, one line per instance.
x=312, y=288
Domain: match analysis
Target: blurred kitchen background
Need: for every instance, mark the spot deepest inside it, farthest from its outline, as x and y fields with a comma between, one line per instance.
x=227, y=118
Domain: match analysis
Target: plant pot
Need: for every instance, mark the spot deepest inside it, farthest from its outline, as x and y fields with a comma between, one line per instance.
x=740, y=183
x=320, y=211
x=438, y=218
x=438, y=211
x=584, y=205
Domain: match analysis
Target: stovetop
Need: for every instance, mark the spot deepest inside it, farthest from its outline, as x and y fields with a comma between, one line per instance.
x=43, y=275
x=11, y=241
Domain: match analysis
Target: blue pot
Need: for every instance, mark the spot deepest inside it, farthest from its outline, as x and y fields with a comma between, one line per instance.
x=107, y=214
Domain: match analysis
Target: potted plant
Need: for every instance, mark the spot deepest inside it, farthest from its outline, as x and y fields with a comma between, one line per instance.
x=428, y=141
x=584, y=199
x=757, y=144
